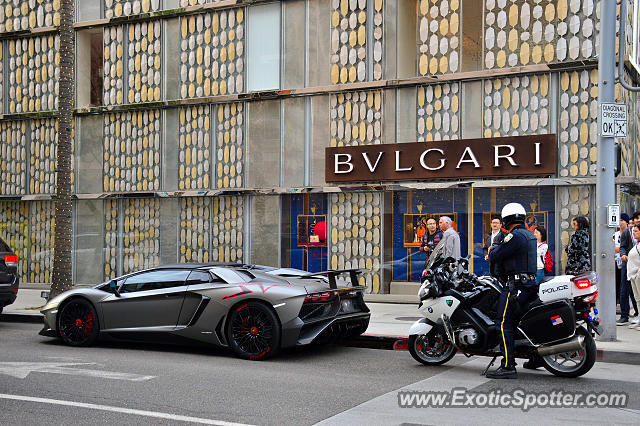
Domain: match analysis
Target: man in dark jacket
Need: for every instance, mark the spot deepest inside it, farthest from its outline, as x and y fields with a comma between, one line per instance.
x=494, y=237
x=430, y=239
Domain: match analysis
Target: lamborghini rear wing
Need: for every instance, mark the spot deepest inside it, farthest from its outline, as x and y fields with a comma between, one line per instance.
x=333, y=273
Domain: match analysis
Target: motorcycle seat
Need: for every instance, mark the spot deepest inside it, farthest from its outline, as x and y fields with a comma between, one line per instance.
x=532, y=304
x=547, y=278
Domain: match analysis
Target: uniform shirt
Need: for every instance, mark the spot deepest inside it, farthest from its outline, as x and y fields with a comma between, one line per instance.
x=517, y=253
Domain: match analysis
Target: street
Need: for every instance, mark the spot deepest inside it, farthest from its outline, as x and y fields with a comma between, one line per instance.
x=45, y=382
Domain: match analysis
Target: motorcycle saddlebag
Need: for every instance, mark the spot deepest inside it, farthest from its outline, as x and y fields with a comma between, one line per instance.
x=549, y=322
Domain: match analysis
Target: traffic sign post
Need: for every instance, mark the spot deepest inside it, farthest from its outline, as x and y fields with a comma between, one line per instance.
x=613, y=120
x=613, y=123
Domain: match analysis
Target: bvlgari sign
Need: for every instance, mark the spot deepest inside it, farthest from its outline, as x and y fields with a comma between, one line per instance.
x=533, y=155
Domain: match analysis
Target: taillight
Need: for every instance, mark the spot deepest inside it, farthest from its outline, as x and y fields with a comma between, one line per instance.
x=11, y=260
x=590, y=298
x=15, y=291
x=582, y=283
x=319, y=297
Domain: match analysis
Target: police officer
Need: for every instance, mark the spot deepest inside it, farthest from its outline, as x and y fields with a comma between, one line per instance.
x=516, y=262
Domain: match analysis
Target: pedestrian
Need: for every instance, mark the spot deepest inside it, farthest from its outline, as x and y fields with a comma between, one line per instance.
x=495, y=237
x=516, y=258
x=430, y=239
x=618, y=260
x=450, y=238
x=633, y=270
x=578, y=254
x=543, y=247
x=626, y=244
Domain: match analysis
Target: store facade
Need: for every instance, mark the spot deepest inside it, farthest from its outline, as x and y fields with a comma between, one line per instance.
x=204, y=130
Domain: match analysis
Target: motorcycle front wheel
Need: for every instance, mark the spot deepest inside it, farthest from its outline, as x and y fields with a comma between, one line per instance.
x=432, y=348
x=573, y=364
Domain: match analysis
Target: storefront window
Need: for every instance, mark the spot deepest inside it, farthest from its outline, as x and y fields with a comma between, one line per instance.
x=471, y=211
x=539, y=202
x=304, y=232
x=411, y=211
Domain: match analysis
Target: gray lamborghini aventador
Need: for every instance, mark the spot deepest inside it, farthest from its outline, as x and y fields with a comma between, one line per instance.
x=252, y=309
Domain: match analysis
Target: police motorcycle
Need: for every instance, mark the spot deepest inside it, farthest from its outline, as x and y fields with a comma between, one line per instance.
x=459, y=309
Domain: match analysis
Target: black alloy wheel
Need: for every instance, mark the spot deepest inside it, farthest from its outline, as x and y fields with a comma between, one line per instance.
x=253, y=331
x=78, y=323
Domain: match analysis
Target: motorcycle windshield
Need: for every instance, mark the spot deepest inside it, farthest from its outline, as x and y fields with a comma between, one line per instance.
x=435, y=254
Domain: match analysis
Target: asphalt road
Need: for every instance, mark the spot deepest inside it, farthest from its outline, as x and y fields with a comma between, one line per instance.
x=299, y=387
x=45, y=382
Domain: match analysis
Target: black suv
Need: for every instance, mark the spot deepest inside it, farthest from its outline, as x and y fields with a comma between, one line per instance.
x=8, y=275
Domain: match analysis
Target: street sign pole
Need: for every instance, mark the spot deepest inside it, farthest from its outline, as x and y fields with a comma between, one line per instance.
x=605, y=183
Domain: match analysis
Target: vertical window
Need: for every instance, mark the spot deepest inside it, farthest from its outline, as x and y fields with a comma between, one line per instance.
x=472, y=19
x=263, y=144
x=88, y=10
x=89, y=68
x=294, y=44
x=263, y=47
x=406, y=39
x=89, y=154
x=88, y=241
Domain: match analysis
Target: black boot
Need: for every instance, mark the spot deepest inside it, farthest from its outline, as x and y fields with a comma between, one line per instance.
x=533, y=363
x=503, y=373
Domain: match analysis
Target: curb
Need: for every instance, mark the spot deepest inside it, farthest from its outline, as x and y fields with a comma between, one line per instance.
x=400, y=343
x=30, y=318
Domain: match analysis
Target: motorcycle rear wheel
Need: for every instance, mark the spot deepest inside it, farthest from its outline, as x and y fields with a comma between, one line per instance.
x=432, y=348
x=573, y=364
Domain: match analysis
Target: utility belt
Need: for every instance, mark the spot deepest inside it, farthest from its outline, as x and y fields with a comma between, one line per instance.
x=521, y=278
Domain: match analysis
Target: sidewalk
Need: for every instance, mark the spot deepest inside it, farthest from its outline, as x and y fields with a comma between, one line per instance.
x=390, y=323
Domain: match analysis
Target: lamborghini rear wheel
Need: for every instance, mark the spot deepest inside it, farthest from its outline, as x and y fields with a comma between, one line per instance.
x=254, y=331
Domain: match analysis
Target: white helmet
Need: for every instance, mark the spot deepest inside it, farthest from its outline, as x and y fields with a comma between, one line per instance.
x=513, y=213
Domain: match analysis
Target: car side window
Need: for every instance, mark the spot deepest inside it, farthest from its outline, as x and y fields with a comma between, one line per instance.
x=155, y=280
x=199, y=277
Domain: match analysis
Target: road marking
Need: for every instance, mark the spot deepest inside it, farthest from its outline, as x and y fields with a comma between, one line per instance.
x=384, y=409
x=155, y=414
x=22, y=369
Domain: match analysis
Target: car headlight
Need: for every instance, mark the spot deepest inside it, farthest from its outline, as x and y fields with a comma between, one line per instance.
x=52, y=304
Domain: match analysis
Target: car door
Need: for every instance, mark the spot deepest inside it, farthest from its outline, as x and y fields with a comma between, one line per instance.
x=149, y=299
